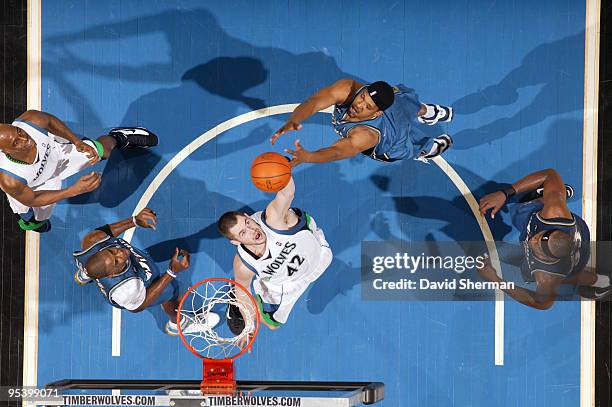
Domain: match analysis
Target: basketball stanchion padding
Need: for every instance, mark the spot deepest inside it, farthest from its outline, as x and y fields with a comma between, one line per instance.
x=215, y=335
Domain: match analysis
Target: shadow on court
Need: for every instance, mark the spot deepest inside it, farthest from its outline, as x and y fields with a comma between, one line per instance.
x=551, y=67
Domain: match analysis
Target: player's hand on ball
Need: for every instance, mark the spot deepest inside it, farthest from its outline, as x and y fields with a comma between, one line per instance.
x=287, y=127
x=146, y=218
x=87, y=183
x=92, y=153
x=494, y=202
x=299, y=155
x=180, y=261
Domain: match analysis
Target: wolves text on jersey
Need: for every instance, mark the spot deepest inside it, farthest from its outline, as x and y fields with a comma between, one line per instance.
x=278, y=262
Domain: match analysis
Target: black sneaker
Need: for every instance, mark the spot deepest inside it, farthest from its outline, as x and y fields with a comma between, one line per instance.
x=440, y=144
x=133, y=137
x=539, y=193
x=234, y=319
x=596, y=293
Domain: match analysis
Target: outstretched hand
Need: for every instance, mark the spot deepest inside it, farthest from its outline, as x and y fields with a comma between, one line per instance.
x=287, y=127
x=177, y=265
x=87, y=183
x=146, y=218
x=494, y=202
x=299, y=155
x=92, y=153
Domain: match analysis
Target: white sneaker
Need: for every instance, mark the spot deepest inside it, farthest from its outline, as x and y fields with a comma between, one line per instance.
x=201, y=323
x=436, y=113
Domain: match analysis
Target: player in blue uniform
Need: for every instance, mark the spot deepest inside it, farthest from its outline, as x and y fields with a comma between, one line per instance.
x=126, y=276
x=556, y=241
x=376, y=120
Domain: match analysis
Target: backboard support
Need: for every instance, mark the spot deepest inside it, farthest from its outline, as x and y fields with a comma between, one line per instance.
x=186, y=393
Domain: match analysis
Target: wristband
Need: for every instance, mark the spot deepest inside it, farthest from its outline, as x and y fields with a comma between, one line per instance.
x=106, y=229
x=509, y=191
x=171, y=273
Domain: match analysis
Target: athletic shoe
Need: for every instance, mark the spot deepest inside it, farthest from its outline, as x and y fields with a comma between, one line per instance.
x=436, y=113
x=234, y=320
x=595, y=293
x=172, y=329
x=539, y=193
x=201, y=323
x=81, y=278
x=133, y=137
x=440, y=144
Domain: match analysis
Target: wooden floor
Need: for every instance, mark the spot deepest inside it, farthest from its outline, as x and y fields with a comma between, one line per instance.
x=13, y=87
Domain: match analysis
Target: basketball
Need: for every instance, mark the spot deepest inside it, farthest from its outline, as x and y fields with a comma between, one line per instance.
x=270, y=172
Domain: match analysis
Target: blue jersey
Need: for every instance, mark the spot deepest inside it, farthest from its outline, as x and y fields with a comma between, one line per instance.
x=139, y=266
x=527, y=218
x=397, y=138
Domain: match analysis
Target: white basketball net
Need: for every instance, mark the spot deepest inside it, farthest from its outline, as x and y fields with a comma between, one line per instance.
x=200, y=332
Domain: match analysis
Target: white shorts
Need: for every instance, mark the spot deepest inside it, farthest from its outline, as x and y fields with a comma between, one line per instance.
x=279, y=301
x=71, y=161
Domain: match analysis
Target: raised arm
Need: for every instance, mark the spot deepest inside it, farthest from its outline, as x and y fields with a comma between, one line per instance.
x=56, y=126
x=276, y=211
x=542, y=299
x=360, y=138
x=336, y=93
x=554, y=199
x=146, y=218
x=51, y=123
x=35, y=199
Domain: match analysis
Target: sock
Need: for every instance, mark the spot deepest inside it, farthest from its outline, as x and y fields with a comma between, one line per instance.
x=601, y=282
x=430, y=113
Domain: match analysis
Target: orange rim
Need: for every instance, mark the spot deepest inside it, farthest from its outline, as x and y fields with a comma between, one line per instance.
x=226, y=280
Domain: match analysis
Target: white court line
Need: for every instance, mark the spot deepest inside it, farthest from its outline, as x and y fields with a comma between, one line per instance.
x=283, y=109
x=589, y=192
x=32, y=239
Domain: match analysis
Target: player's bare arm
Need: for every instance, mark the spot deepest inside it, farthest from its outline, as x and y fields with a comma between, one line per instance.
x=336, y=93
x=542, y=299
x=146, y=218
x=554, y=194
x=56, y=126
x=278, y=214
x=178, y=263
x=29, y=197
x=360, y=138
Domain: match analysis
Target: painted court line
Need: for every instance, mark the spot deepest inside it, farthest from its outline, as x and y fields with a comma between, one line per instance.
x=32, y=239
x=589, y=191
x=284, y=109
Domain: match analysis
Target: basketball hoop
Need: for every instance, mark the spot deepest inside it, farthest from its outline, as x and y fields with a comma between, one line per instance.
x=218, y=341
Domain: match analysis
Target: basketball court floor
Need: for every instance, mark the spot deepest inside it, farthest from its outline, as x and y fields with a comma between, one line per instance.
x=214, y=80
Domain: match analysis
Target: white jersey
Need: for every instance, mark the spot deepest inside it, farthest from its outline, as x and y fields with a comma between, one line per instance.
x=56, y=160
x=292, y=259
x=47, y=160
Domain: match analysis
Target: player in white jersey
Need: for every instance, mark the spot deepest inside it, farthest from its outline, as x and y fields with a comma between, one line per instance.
x=281, y=251
x=38, y=151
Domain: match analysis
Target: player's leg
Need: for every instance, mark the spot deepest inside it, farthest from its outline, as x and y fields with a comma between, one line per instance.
x=35, y=219
x=169, y=301
x=434, y=147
